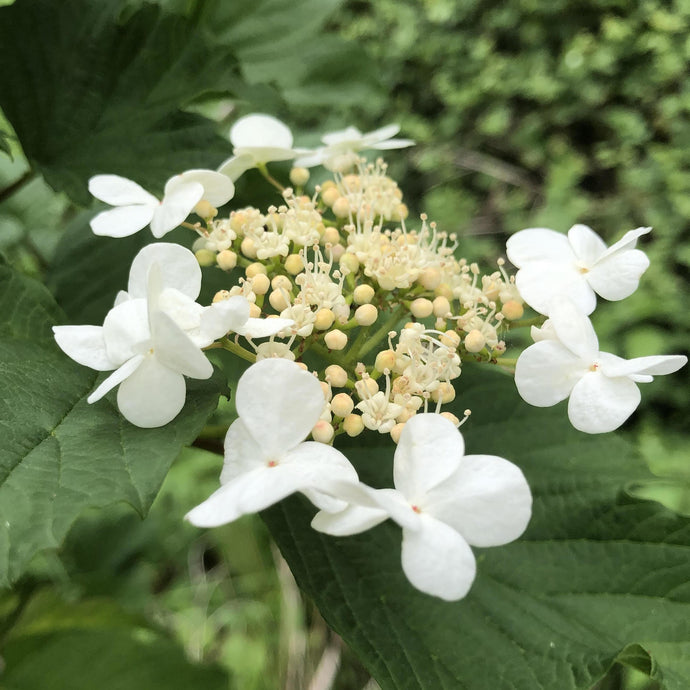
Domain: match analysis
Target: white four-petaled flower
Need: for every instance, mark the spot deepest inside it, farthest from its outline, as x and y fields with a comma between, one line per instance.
x=565, y=361
x=135, y=208
x=266, y=457
x=577, y=265
x=444, y=503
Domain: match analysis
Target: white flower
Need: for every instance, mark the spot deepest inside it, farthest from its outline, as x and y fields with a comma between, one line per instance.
x=341, y=147
x=153, y=335
x=444, y=503
x=566, y=362
x=578, y=266
x=135, y=208
x=266, y=457
x=258, y=139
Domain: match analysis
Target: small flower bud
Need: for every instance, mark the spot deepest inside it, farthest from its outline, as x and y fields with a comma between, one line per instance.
x=363, y=294
x=281, y=282
x=430, y=278
x=326, y=389
x=260, y=284
x=366, y=388
x=336, y=375
x=254, y=310
x=342, y=404
x=441, y=306
x=205, y=257
x=294, y=264
x=445, y=393
x=330, y=195
x=248, y=248
x=396, y=431
x=227, y=260
x=205, y=210
x=401, y=212
x=474, y=341
x=220, y=296
x=299, y=176
x=324, y=319
x=341, y=207
x=349, y=261
x=451, y=417
x=444, y=290
x=322, y=432
x=331, y=235
x=512, y=310
x=336, y=251
x=277, y=300
x=450, y=339
x=353, y=425
x=335, y=340
x=421, y=308
x=366, y=314
x=385, y=360
x=254, y=269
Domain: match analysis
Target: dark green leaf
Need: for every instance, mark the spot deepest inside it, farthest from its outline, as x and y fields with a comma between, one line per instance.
x=594, y=573
x=5, y=143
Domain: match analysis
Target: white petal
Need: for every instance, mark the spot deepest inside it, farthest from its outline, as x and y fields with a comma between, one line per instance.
x=235, y=166
x=573, y=328
x=538, y=244
x=353, y=520
x=175, y=350
x=119, y=191
x=349, y=135
x=381, y=134
x=84, y=344
x=218, y=188
x=586, y=244
x=266, y=154
x=393, y=144
x=312, y=159
x=430, y=449
x=152, y=396
x=178, y=268
x=546, y=372
x=221, y=318
x=437, y=560
x=628, y=241
x=263, y=328
x=242, y=452
x=654, y=365
x=178, y=202
x=126, y=330
x=487, y=500
x=617, y=276
x=183, y=310
x=599, y=404
x=540, y=282
x=122, y=221
x=118, y=376
x=258, y=130
x=279, y=402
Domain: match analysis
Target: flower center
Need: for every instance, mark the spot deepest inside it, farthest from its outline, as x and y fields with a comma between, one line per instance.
x=272, y=463
x=417, y=509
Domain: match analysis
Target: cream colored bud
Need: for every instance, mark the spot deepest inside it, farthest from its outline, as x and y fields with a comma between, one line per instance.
x=366, y=314
x=512, y=310
x=366, y=388
x=336, y=375
x=278, y=301
x=281, y=282
x=342, y=404
x=294, y=264
x=349, y=261
x=331, y=235
x=237, y=220
x=451, y=417
x=248, y=248
x=430, y=278
x=255, y=269
x=205, y=257
x=451, y=339
x=396, y=431
x=326, y=390
x=444, y=290
x=227, y=259
x=421, y=308
x=335, y=340
x=324, y=319
x=205, y=210
x=260, y=284
x=475, y=341
x=299, y=176
x=405, y=415
x=445, y=393
x=322, y=432
x=363, y=294
x=302, y=365
x=353, y=425
x=385, y=360
x=254, y=310
x=351, y=182
x=441, y=307
x=401, y=212
x=341, y=207
x=330, y=195
x=336, y=251
x=221, y=296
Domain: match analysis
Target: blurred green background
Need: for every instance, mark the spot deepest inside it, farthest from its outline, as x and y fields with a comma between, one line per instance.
x=526, y=114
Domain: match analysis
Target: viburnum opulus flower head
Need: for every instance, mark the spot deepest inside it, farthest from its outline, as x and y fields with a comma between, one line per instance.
x=565, y=362
x=577, y=265
x=135, y=208
x=266, y=456
x=153, y=335
x=444, y=501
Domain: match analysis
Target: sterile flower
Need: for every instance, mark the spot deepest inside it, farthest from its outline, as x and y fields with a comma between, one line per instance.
x=135, y=208
x=153, y=335
x=444, y=503
x=565, y=361
x=577, y=265
x=341, y=147
x=258, y=139
x=266, y=457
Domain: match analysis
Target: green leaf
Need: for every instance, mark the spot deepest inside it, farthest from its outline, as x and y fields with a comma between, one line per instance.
x=5, y=143
x=594, y=573
x=59, y=455
x=87, y=93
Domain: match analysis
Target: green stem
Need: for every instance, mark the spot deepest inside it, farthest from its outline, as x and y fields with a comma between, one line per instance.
x=16, y=186
x=238, y=350
x=261, y=167
x=506, y=361
x=523, y=323
x=375, y=339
